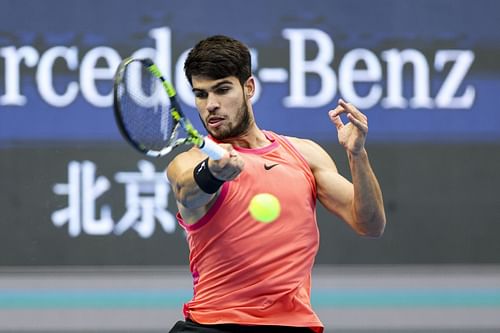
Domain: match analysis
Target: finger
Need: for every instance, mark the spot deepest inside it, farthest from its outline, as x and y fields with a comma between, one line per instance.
x=226, y=146
x=359, y=117
x=230, y=152
x=351, y=109
x=361, y=125
x=335, y=112
x=335, y=118
x=233, y=153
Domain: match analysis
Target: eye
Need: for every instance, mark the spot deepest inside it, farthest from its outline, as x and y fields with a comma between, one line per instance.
x=200, y=94
x=223, y=90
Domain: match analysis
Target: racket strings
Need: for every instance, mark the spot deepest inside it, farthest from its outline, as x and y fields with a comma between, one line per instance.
x=145, y=108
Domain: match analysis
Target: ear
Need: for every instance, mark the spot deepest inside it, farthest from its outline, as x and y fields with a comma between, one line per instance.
x=249, y=87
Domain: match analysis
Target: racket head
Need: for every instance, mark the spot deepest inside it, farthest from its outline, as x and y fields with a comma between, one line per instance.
x=142, y=108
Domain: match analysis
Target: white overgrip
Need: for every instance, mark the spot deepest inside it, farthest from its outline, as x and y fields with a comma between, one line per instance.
x=212, y=149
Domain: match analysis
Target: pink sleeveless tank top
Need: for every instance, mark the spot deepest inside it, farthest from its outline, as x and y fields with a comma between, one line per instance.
x=251, y=273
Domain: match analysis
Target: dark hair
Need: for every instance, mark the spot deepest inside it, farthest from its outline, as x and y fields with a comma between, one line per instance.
x=218, y=57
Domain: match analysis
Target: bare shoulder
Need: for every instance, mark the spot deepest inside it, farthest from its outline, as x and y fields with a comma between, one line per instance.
x=305, y=146
x=313, y=153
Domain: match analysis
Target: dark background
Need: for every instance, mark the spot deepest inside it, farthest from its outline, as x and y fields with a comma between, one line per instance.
x=441, y=202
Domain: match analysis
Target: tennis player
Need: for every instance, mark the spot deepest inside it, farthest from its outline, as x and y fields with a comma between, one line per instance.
x=250, y=276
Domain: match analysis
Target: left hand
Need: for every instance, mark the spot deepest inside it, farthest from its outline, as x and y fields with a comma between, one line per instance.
x=353, y=134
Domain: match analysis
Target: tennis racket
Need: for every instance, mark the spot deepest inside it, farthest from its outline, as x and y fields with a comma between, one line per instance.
x=148, y=114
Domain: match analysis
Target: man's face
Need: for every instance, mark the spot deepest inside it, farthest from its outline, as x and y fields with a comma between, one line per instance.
x=222, y=106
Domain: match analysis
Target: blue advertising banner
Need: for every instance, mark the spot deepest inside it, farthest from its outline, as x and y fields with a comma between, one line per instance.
x=422, y=71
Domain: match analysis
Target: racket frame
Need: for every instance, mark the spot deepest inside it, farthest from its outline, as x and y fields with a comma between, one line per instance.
x=209, y=147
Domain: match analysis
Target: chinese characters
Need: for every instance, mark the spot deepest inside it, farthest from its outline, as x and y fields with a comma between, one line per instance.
x=146, y=201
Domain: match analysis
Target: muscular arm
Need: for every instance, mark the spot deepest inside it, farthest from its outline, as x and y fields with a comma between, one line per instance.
x=368, y=204
x=359, y=203
x=192, y=201
x=180, y=176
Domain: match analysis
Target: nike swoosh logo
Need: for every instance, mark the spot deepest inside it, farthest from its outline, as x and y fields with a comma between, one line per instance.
x=269, y=167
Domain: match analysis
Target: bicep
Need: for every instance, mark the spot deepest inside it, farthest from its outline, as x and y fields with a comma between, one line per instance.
x=334, y=191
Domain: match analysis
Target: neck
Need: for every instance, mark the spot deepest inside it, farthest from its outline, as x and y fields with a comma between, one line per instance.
x=251, y=139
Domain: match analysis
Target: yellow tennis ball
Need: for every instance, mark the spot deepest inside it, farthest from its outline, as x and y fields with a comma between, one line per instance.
x=264, y=207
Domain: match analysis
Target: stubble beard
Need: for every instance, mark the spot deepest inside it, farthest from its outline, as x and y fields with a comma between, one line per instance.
x=234, y=129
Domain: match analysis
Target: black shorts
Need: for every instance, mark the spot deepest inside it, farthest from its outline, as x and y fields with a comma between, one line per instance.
x=190, y=326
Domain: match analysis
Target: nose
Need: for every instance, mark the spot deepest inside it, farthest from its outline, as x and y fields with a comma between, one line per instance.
x=212, y=103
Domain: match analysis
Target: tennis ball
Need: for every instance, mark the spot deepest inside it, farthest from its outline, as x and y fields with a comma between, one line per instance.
x=264, y=207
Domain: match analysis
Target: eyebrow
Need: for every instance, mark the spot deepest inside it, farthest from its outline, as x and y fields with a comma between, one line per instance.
x=215, y=86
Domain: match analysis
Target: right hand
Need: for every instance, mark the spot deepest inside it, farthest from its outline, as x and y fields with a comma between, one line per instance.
x=229, y=166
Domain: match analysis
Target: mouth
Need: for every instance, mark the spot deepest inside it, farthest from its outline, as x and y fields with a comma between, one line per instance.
x=215, y=121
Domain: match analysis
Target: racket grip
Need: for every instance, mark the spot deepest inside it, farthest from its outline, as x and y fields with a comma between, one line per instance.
x=212, y=149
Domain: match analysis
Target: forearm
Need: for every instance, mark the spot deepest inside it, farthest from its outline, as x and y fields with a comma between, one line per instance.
x=189, y=194
x=367, y=207
x=196, y=181
x=194, y=187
